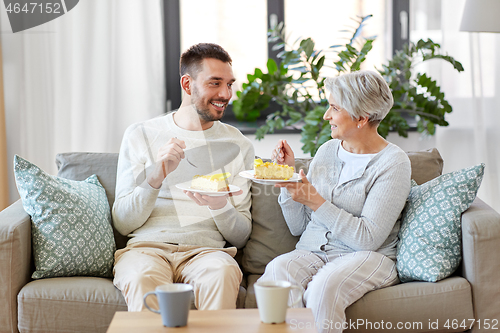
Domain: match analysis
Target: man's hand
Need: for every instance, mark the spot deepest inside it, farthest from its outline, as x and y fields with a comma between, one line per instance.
x=167, y=160
x=304, y=192
x=212, y=202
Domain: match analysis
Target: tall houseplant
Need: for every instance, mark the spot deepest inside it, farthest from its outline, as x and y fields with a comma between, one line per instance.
x=297, y=86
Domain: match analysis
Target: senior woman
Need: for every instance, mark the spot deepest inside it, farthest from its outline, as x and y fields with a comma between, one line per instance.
x=346, y=210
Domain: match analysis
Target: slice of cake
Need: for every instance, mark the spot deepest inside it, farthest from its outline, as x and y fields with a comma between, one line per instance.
x=213, y=183
x=270, y=170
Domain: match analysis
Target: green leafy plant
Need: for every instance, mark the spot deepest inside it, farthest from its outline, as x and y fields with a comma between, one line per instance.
x=418, y=94
x=297, y=86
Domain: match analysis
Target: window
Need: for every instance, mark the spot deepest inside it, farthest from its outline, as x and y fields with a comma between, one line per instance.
x=425, y=22
x=323, y=21
x=239, y=27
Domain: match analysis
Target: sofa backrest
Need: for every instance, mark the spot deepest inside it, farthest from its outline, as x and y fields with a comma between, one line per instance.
x=270, y=236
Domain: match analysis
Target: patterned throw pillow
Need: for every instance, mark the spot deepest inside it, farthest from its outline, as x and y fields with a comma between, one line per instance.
x=71, y=230
x=430, y=242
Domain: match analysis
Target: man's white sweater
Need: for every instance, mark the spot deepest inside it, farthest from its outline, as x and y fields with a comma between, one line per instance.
x=167, y=214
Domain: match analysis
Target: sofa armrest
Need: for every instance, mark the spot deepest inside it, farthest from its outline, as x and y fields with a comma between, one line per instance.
x=481, y=246
x=15, y=261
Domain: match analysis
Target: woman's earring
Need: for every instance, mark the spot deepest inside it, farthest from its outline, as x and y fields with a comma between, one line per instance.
x=359, y=126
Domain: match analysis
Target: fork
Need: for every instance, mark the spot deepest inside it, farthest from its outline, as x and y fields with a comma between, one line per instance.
x=187, y=160
x=165, y=171
x=275, y=160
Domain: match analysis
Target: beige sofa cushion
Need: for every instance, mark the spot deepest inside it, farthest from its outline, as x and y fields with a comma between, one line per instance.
x=80, y=166
x=416, y=302
x=409, y=303
x=425, y=165
x=69, y=304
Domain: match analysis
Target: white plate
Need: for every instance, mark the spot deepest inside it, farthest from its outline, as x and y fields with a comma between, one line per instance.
x=187, y=186
x=250, y=174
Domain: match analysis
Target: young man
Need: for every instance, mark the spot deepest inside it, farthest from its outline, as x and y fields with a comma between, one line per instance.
x=176, y=235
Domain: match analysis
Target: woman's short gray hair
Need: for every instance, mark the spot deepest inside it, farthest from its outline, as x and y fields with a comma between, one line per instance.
x=362, y=94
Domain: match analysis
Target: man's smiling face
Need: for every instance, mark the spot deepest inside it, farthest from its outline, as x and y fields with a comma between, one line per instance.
x=212, y=89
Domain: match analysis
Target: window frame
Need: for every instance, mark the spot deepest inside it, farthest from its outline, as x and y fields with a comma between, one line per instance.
x=172, y=49
x=276, y=8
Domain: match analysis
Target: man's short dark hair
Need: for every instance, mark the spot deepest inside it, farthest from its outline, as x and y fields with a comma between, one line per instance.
x=191, y=59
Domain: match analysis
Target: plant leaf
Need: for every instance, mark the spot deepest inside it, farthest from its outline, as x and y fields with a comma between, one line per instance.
x=271, y=66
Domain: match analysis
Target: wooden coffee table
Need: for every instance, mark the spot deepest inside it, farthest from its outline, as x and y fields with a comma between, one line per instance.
x=217, y=321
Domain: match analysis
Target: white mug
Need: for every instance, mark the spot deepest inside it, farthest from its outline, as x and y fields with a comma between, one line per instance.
x=272, y=300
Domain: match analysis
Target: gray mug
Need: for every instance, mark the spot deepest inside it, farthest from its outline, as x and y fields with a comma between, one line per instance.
x=175, y=301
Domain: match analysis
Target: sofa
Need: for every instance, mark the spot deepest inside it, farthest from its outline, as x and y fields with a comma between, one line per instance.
x=87, y=304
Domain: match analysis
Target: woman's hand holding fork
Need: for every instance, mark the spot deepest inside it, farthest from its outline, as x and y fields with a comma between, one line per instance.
x=283, y=154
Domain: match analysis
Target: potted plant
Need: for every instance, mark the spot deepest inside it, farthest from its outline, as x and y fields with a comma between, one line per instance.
x=297, y=86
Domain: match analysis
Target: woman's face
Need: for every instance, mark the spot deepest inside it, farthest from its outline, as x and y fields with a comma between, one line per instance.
x=342, y=125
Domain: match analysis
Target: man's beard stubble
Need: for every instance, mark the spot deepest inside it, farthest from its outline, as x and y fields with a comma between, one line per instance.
x=207, y=116
x=204, y=112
